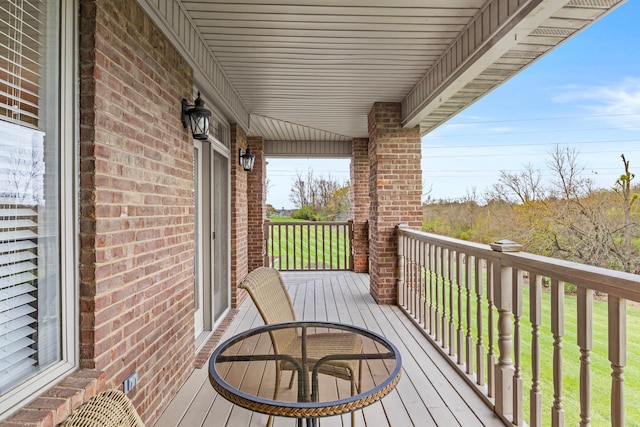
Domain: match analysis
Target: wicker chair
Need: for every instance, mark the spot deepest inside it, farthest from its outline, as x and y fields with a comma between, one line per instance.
x=269, y=294
x=111, y=408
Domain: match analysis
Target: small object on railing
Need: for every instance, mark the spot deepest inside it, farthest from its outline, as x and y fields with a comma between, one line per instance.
x=505, y=245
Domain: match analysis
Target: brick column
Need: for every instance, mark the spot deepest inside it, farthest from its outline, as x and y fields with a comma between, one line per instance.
x=359, y=198
x=239, y=218
x=395, y=185
x=256, y=198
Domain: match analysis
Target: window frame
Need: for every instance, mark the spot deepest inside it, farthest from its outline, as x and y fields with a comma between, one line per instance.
x=68, y=138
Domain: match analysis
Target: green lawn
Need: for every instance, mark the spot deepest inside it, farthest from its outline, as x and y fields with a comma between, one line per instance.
x=306, y=245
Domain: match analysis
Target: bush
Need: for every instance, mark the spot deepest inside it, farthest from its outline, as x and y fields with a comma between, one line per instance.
x=306, y=213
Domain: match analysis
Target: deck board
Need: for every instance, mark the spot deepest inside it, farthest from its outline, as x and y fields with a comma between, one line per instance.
x=430, y=392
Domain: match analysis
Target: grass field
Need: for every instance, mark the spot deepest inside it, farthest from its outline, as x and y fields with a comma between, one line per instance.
x=306, y=245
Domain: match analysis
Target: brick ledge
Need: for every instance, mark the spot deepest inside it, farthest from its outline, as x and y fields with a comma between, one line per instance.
x=55, y=405
x=203, y=355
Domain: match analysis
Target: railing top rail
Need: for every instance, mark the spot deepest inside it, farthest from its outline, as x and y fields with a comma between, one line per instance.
x=304, y=222
x=613, y=282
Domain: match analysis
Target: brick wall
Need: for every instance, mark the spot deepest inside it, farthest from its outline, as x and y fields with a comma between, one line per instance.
x=137, y=205
x=359, y=198
x=395, y=186
x=239, y=224
x=257, y=198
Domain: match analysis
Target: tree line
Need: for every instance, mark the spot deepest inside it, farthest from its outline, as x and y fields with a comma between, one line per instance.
x=319, y=198
x=566, y=218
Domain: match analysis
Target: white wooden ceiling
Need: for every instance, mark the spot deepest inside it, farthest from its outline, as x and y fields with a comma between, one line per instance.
x=310, y=70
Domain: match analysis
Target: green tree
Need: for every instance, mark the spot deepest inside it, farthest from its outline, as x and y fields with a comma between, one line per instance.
x=318, y=198
x=629, y=197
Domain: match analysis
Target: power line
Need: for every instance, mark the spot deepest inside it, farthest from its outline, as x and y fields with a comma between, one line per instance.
x=591, y=116
x=534, y=144
x=467, y=155
x=531, y=132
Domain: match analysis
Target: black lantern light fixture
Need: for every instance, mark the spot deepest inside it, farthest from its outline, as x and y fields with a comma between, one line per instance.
x=197, y=116
x=246, y=160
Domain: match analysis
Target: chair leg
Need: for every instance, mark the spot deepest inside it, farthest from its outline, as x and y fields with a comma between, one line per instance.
x=356, y=390
x=353, y=393
x=293, y=377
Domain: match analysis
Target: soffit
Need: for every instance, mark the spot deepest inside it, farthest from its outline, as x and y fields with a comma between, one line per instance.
x=311, y=70
x=322, y=64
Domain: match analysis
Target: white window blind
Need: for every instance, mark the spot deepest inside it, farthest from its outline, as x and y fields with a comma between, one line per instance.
x=29, y=198
x=21, y=53
x=18, y=286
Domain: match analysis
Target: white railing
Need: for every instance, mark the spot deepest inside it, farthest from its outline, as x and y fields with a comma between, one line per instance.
x=472, y=300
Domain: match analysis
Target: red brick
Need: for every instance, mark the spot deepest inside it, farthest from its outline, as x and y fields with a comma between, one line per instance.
x=395, y=188
x=136, y=184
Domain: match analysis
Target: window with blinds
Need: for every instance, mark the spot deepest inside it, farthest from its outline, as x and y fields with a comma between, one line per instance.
x=30, y=305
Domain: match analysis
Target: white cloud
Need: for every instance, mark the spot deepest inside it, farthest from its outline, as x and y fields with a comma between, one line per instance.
x=619, y=103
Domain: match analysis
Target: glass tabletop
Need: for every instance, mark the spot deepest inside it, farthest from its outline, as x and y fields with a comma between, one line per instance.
x=325, y=368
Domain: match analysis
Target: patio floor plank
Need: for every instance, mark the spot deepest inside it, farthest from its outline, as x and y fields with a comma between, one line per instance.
x=430, y=392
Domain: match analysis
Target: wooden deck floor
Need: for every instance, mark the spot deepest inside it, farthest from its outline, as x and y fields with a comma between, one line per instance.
x=430, y=392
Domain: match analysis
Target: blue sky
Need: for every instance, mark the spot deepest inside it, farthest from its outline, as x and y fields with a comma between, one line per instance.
x=585, y=94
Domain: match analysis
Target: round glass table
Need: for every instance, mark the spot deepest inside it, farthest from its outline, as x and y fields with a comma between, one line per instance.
x=319, y=356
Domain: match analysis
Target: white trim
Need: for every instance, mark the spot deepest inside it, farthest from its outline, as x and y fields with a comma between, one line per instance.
x=68, y=137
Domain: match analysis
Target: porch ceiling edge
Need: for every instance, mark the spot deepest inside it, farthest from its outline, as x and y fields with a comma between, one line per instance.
x=207, y=73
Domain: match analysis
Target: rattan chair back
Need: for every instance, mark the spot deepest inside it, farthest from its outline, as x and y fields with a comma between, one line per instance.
x=269, y=294
x=111, y=408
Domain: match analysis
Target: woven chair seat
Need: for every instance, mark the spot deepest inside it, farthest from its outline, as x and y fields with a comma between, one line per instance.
x=111, y=408
x=322, y=344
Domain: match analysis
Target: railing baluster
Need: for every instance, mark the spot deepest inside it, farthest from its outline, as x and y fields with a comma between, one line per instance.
x=480, y=376
x=452, y=281
x=516, y=282
x=432, y=284
x=460, y=281
x=585, y=343
x=402, y=290
x=535, y=316
x=343, y=246
x=312, y=252
x=409, y=277
x=416, y=283
x=618, y=357
x=299, y=257
x=445, y=280
x=469, y=341
x=502, y=288
x=423, y=285
x=286, y=239
x=439, y=255
x=491, y=357
x=557, y=330
x=330, y=245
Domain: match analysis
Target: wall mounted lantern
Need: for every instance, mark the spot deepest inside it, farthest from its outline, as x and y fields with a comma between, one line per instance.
x=246, y=160
x=197, y=116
